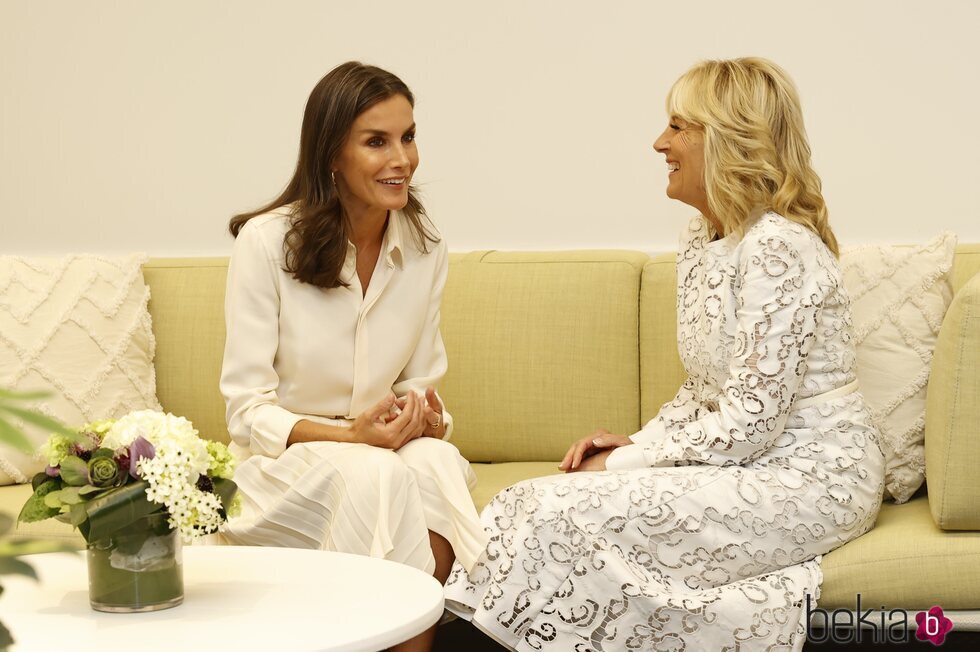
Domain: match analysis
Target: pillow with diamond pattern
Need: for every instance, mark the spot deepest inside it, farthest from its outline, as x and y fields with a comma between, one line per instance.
x=78, y=328
x=899, y=296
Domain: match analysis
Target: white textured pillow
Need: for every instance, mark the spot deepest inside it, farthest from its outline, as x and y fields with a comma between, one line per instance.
x=79, y=328
x=899, y=296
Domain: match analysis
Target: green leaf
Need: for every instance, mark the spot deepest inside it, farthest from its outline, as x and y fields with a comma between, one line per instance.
x=116, y=509
x=74, y=471
x=39, y=420
x=14, y=566
x=90, y=489
x=11, y=395
x=33, y=547
x=78, y=515
x=69, y=496
x=12, y=436
x=39, y=479
x=225, y=489
x=6, y=640
x=53, y=500
x=102, y=452
x=35, y=508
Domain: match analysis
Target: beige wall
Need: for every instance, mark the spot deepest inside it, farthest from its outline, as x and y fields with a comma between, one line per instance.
x=143, y=125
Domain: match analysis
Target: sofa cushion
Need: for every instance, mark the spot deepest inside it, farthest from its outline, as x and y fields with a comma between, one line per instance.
x=492, y=478
x=187, y=305
x=898, y=298
x=953, y=415
x=907, y=562
x=542, y=350
x=661, y=370
x=965, y=266
x=78, y=328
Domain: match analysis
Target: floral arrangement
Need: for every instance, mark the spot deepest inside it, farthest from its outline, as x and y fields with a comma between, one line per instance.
x=112, y=473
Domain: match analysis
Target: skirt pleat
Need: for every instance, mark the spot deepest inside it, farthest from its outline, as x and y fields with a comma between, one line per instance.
x=360, y=499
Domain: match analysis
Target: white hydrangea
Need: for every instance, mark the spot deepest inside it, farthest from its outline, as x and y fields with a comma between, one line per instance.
x=166, y=432
x=180, y=458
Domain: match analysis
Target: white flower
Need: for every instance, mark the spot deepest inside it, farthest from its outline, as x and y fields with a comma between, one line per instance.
x=180, y=458
x=167, y=433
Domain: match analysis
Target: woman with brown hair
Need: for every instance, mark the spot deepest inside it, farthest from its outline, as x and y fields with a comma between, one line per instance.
x=333, y=347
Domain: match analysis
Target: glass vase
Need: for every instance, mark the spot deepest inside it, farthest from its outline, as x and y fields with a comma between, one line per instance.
x=137, y=568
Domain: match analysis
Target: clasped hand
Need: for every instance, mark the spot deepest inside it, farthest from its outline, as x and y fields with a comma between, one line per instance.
x=590, y=453
x=393, y=422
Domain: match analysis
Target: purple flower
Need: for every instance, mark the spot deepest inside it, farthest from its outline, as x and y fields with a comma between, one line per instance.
x=122, y=459
x=88, y=442
x=52, y=471
x=139, y=449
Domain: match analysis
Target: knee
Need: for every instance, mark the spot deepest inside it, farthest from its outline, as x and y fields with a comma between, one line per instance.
x=428, y=452
x=382, y=461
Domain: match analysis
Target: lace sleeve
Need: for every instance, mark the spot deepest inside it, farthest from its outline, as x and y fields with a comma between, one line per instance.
x=682, y=410
x=778, y=302
x=673, y=415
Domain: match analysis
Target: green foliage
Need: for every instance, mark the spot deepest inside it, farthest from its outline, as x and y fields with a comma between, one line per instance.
x=10, y=565
x=225, y=489
x=8, y=408
x=36, y=507
x=10, y=550
x=115, y=509
x=74, y=471
x=6, y=640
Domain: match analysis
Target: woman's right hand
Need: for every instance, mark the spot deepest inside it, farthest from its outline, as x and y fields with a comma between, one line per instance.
x=598, y=441
x=375, y=427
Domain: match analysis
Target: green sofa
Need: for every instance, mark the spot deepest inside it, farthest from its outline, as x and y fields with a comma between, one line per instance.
x=546, y=347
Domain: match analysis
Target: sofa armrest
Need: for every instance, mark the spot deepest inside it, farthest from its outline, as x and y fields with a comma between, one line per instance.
x=952, y=437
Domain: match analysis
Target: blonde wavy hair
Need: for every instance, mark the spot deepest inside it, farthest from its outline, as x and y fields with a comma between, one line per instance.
x=756, y=153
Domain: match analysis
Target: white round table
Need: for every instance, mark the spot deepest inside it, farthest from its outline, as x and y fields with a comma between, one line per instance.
x=235, y=598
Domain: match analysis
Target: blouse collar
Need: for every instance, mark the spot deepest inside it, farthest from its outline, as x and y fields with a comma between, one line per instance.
x=392, y=247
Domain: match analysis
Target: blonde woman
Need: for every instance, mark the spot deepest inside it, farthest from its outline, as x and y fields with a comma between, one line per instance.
x=706, y=526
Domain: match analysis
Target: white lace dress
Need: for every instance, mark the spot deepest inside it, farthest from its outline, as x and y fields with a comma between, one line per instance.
x=706, y=534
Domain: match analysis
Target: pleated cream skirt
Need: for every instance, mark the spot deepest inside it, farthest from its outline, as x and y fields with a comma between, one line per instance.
x=360, y=499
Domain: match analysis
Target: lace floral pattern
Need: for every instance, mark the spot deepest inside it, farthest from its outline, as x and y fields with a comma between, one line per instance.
x=719, y=547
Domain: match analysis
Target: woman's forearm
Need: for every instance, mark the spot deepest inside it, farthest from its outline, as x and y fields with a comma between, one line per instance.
x=307, y=431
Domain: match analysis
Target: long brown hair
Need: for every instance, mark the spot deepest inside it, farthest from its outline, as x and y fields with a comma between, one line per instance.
x=315, y=246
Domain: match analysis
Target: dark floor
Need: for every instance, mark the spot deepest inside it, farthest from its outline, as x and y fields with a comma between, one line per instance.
x=460, y=635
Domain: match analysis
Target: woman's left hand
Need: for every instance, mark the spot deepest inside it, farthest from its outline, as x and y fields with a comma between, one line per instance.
x=435, y=425
x=587, y=447
x=595, y=462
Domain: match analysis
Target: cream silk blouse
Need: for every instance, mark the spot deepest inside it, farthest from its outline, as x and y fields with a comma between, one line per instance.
x=295, y=351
